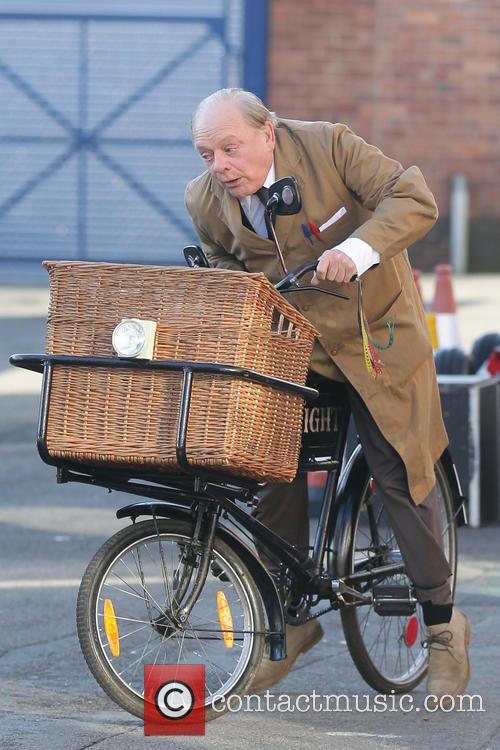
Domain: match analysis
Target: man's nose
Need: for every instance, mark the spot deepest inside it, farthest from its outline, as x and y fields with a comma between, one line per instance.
x=220, y=163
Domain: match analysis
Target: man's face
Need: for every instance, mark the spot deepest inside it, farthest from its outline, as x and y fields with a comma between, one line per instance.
x=236, y=153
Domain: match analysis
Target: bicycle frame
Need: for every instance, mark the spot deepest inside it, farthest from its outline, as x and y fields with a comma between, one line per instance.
x=211, y=493
x=323, y=446
x=322, y=450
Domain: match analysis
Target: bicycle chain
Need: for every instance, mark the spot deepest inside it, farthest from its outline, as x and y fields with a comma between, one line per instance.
x=321, y=612
x=315, y=616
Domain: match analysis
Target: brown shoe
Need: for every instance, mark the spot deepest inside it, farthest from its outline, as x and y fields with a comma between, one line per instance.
x=449, y=664
x=299, y=639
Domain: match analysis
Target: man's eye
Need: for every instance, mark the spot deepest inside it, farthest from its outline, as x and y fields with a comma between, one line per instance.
x=230, y=149
x=206, y=157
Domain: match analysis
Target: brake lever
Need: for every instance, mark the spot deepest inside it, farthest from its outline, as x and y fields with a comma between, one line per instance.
x=313, y=289
x=290, y=282
x=293, y=278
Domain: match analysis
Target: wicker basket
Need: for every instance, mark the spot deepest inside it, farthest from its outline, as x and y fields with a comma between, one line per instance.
x=122, y=416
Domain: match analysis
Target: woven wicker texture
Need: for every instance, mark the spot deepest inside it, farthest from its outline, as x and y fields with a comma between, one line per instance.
x=123, y=416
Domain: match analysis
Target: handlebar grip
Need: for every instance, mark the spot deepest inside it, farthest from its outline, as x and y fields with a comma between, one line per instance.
x=195, y=257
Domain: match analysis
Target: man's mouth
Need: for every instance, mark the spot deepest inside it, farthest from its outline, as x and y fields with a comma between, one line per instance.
x=232, y=183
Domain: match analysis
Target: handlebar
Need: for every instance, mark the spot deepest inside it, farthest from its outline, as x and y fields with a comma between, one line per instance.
x=196, y=258
x=291, y=278
x=290, y=282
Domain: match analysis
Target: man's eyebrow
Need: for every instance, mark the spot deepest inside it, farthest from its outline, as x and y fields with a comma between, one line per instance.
x=226, y=139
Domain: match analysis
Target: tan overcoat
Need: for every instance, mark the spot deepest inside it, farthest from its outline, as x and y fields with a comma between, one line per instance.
x=388, y=207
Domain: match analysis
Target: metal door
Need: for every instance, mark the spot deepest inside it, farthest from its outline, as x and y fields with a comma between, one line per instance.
x=95, y=149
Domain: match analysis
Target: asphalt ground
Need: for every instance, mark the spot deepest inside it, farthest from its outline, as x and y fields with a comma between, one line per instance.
x=50, y=701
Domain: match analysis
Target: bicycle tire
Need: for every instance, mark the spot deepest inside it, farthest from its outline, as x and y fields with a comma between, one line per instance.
x=351, y=618
x=95, y=652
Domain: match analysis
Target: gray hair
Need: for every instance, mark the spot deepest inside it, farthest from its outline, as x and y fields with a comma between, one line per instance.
x=252, y=108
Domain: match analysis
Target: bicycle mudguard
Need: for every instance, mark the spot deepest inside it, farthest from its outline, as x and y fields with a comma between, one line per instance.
x=351, y=485
x=264, y=581
x=459, y=500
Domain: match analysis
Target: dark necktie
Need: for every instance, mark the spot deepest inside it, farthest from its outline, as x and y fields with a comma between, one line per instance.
x=263, y=195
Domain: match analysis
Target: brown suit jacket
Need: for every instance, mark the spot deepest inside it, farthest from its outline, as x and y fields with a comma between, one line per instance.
x=388, y=207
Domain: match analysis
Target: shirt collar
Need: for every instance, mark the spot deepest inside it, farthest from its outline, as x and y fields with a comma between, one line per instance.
x=271, y=177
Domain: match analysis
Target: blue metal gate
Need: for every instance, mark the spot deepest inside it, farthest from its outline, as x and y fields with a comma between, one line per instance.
x=95, y=104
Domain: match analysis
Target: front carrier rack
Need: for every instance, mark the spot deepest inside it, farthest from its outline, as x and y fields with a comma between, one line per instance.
x=45, y=364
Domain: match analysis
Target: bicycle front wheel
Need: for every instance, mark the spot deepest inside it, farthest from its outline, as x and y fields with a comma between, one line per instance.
x=132, y=582
x=387, y=650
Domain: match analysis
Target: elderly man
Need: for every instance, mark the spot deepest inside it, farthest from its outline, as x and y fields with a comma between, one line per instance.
x=367, y=209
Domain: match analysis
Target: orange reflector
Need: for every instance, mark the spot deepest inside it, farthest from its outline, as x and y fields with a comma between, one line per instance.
x=111, y=627
x=225, y=619
x=411, y=630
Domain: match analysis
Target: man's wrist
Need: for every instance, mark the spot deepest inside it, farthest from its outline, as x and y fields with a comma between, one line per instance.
x=360, y=252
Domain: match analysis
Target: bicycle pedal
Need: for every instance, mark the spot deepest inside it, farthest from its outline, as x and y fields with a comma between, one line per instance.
x=393, y=600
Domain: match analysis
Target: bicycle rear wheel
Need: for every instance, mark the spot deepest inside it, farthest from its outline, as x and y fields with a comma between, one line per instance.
x=387, y=650
x=132, y=581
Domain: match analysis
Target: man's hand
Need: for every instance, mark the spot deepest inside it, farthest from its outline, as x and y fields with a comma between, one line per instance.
x=334, y=265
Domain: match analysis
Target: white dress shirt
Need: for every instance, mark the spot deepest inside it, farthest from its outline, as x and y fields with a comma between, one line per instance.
x=254, y=208
x=360, y=252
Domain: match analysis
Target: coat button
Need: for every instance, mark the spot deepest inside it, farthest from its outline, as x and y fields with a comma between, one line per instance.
x=306, y=307
x=333, y=352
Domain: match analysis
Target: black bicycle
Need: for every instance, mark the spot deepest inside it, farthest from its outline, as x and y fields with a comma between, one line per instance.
x=185, y=586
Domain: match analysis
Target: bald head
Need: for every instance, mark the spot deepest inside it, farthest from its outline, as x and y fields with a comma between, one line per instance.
x=236, y=142
x=253, y=110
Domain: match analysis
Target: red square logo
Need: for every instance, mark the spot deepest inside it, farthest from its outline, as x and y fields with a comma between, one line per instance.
x=174, y=699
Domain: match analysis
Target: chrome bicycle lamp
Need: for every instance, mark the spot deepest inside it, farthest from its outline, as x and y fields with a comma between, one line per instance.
x=133, y=337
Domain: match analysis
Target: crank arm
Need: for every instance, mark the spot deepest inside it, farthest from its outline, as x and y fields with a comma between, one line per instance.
x=339, y=588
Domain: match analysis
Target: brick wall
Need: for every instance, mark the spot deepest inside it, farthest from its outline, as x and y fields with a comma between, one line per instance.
x=419, y=80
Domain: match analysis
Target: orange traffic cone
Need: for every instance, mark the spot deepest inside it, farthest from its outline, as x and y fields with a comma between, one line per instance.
x=444, y=309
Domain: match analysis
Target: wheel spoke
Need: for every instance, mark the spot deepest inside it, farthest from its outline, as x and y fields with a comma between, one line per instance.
x=380, y=647
x=149, y=596
x=140, y=582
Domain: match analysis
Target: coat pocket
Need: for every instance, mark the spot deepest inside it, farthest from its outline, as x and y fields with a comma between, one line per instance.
x=333, y=219
x=410, y=342
x=334, y=227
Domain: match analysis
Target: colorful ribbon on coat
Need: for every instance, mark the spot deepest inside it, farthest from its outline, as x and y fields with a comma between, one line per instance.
x=372, y=360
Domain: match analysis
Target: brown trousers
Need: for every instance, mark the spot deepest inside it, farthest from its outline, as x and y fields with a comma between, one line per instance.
x=284, y=508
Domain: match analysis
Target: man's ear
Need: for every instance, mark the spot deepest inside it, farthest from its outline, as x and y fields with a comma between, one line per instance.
x=270, y=134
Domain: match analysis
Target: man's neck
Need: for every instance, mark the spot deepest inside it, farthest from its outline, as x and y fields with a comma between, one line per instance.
x=271, y=177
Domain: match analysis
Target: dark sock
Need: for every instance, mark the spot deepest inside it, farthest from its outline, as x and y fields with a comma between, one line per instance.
x=435, y=614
